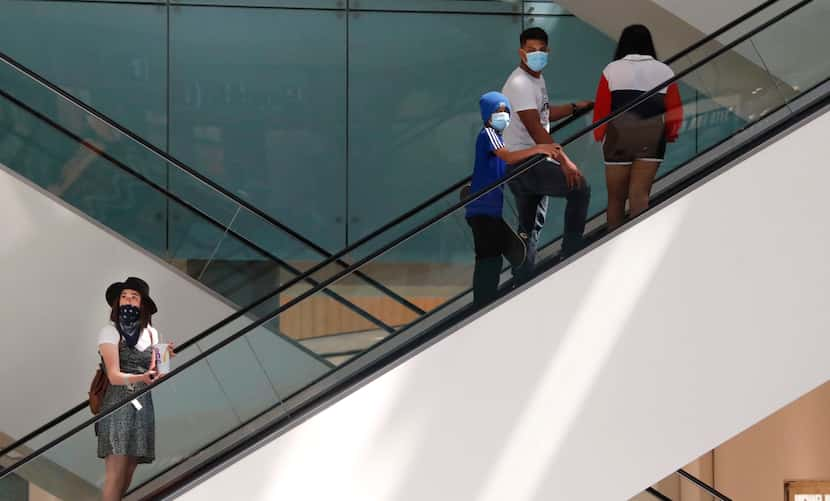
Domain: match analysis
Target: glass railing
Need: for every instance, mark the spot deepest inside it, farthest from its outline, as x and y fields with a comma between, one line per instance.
x=130, y=186
x=195, y=410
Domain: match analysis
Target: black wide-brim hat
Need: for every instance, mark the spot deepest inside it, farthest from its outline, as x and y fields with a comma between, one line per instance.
x=136, y=284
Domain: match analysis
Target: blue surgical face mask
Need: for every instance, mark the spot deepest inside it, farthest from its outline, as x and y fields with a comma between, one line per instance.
x=500, y=120
x=537, y=61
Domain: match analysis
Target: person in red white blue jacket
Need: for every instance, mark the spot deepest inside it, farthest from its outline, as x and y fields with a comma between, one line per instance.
x=634, y=143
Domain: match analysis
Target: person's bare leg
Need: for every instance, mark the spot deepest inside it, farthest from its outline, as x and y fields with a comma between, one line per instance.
x=643, y=173
x=132, y=463
x=617, y=182
x=116, y=470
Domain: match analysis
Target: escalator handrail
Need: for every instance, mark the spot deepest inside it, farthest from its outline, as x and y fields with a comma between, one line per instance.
x=657, y=494
x=521, y=169
x=696, y=481
x=703, y=485
x=193, y=173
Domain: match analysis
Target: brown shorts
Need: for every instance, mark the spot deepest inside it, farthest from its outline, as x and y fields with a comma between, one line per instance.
x=629, y=138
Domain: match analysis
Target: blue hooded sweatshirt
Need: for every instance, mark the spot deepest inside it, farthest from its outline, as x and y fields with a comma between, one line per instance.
x=488, y=167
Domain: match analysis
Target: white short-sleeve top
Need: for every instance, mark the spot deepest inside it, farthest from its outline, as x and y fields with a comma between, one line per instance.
x=109, y=334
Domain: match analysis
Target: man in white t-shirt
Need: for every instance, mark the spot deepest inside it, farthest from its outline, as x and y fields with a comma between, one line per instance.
x=530, y=119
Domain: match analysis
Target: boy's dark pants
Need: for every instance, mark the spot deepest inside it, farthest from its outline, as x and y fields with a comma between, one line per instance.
x=492, y=237
x=531, y=190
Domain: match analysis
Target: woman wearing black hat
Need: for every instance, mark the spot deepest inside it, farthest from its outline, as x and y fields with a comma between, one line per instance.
x=127, y=437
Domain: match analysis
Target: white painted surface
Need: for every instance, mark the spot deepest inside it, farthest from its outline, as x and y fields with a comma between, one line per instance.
x=55, y=266
x=802, y=32
x=708, y=15
x=676, y=24
x=733, y=79
x=637, y=358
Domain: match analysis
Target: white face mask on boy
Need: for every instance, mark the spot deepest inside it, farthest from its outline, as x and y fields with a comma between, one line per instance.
x=500, y=120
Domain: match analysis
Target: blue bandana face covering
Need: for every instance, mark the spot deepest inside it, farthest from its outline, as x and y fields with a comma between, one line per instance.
x=128, y=325
x=537, y=61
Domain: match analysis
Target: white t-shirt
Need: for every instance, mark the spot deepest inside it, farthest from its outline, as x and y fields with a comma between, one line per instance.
x=525, y=92
x=109, y=334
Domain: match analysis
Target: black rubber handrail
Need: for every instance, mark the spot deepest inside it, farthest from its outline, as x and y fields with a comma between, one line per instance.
x=518, y=171
x=659, y=495
x=703, y=485
x=201, y=178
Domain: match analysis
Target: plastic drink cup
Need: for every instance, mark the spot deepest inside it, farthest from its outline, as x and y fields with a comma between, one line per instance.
x=162, y=355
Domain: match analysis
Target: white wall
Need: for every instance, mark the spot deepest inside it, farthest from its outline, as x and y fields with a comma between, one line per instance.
x=708, y=15
x=802, y=33
x=676, y=24
x=639, y=357
x=730, y=79
x=55, y=266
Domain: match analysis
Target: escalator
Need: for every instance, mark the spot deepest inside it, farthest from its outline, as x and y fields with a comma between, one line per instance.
x=192, y=443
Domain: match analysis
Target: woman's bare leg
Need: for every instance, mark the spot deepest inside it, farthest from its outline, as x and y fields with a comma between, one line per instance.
x=116, y=471
x=643, y=173
x=128, y=478
x=617, y=182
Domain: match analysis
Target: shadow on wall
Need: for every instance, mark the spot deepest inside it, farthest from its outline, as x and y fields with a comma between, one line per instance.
x=415, y=423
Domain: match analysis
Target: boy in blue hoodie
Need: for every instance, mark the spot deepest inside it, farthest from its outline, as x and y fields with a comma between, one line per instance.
x=492, y=236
